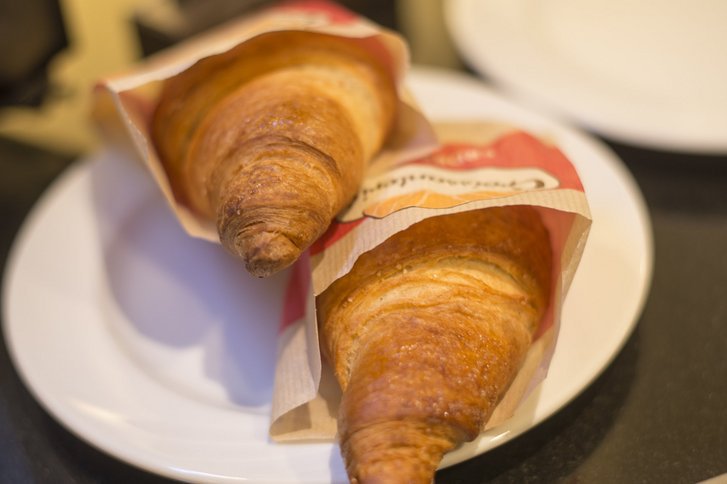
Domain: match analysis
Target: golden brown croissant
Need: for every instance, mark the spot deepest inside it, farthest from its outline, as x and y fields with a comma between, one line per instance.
x=271, y=140
x=427, y=332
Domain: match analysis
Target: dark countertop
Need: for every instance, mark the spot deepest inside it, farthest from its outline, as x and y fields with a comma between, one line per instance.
x=655, y=415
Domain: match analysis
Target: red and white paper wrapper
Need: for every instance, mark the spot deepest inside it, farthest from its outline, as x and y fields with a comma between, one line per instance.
x=477, y=165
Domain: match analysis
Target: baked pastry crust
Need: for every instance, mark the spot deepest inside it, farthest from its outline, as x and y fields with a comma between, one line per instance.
x=427, y=332
x=271, y=139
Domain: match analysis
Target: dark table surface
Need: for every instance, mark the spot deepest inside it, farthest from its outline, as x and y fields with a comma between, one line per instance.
x=657, y=413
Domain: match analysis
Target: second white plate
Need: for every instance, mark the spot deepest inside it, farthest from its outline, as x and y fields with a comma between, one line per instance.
x=159, y=349
x=650, y=73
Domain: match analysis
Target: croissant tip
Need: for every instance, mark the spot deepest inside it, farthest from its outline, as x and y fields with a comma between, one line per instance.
x=401, y=451
x=266, y=253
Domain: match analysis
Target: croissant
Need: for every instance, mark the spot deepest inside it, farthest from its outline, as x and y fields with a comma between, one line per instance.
x=270, y=141
x=426, y=333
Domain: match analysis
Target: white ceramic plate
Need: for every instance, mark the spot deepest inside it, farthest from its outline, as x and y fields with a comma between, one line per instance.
x=159, y=349
x=650, y=73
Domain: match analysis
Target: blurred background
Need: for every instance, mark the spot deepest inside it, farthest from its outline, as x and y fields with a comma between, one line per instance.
x=648, y=73
x=56, y=49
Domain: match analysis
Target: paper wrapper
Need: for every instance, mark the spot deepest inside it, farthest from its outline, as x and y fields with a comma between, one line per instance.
x=124, y=103
x=478, y=165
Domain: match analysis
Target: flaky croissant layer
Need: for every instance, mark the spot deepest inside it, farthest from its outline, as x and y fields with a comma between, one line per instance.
x=427, y=332
x=272, y=142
